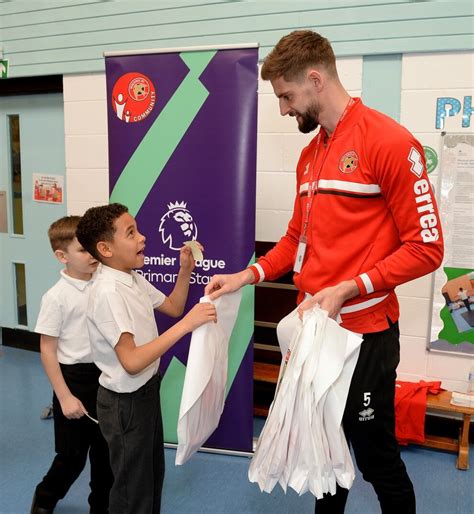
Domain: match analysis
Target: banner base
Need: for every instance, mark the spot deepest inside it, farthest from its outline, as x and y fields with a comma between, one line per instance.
x=221, y=451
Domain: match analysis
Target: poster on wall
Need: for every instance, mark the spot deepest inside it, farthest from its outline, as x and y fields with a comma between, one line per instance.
x=182, y=128
x=48, y=188
x=453, y=298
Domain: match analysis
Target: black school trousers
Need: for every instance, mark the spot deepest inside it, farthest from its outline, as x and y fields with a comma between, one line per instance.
x=369, y=426
x=75, y=439
x=132, y=425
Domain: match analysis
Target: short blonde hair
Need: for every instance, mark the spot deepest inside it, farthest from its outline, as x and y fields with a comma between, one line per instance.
x=62, y=232
x=295, y=53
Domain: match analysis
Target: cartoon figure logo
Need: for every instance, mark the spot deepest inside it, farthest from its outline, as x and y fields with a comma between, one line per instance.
x=349, y=162
x=133, y=97
x=177, y=226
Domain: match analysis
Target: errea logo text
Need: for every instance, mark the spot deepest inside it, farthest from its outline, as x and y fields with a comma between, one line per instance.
x=428, y=219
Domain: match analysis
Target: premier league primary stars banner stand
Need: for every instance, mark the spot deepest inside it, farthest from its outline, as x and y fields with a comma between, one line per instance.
x=182, y=128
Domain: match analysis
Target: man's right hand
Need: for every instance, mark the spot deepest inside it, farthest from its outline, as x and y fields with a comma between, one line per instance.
x=223, y=284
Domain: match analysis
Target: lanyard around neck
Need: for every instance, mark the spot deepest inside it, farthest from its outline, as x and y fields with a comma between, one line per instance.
x=312, y=188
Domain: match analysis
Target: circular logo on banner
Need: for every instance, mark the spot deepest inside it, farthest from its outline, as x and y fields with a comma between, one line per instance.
x=431, y=158
x=133, y=97
x=349, y=162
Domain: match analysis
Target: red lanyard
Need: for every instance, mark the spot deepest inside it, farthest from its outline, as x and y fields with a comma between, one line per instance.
x=312, y=186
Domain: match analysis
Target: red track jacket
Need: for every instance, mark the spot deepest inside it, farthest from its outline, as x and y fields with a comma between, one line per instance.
x=373, y=217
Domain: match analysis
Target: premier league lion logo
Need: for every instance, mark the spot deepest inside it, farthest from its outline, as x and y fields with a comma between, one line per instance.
x=177, y=226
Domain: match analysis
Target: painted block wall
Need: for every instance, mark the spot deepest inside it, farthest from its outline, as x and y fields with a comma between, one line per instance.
x=85, y=129
x=279, y=145
x=426, y=77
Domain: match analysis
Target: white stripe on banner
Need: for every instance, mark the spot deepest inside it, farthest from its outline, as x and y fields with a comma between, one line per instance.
x=119, y=53
x=367, y=283
x=363, y=305
x=353, y=187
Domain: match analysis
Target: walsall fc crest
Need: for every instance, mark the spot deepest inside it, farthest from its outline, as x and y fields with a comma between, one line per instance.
x=133, y=97
x=348, y=162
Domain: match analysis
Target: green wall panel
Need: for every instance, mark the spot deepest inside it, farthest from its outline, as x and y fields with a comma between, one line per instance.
x=381, y=83
x=54, y=37
x=336, y=30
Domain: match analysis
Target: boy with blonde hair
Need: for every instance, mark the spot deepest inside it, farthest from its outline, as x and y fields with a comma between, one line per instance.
x=127, y=348
x=67, y=360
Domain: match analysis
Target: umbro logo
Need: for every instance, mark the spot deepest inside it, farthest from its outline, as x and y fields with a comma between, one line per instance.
x=366, y=414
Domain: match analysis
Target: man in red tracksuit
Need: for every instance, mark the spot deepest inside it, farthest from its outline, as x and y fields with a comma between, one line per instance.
x=365, y=220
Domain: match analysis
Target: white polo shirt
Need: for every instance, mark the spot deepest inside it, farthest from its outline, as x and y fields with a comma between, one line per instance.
x=63, y=315
x=121, y=302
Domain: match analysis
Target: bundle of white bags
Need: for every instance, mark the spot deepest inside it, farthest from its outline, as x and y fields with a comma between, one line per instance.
x=302, y=444
x=205, y=381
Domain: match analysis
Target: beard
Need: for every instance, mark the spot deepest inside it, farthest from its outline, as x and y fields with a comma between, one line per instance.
x=309, y=121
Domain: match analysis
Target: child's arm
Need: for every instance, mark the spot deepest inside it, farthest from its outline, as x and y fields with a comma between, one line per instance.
x=70, y=405
x=136, y=358
x=173, y=304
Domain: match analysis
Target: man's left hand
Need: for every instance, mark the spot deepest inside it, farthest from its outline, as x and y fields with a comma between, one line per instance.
x=331, y=299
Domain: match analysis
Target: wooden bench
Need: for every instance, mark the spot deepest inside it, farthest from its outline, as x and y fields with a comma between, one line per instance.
x=441, y=403
x=263, y=372
x=273, y=301
x=268, y=373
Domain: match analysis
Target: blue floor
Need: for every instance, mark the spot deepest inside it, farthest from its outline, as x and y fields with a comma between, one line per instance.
x=209, y=483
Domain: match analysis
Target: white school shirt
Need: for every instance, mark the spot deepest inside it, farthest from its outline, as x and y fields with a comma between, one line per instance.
x=63, y=315
x=121, y=302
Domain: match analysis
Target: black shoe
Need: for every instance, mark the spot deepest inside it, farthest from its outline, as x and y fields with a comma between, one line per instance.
x=47, y=412
x=35, y=509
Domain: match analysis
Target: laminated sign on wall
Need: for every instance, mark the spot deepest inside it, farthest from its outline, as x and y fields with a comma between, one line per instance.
x=453, y=298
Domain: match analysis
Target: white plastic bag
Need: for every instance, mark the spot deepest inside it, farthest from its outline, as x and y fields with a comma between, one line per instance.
x=205, y=381
x=302, y=444
x=275, y=442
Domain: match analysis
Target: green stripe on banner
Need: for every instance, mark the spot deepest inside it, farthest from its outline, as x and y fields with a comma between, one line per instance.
x=170, y=396
x=173, y=381
x=146, y=163
x=243, y=330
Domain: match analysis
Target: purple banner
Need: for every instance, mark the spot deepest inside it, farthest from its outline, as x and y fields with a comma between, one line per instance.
x=182, y=156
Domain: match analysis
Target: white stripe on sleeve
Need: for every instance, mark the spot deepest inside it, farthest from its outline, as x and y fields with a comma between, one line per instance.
x=367, y=283
x=260, y=272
